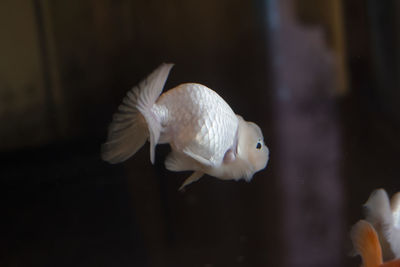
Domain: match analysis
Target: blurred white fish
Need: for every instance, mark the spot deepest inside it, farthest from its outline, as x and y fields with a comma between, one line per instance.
x=205, y=135
x=384, y=215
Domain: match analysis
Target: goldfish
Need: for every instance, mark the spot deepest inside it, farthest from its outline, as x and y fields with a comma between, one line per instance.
x=384, y=215
x=205, y=135
x=366, y=243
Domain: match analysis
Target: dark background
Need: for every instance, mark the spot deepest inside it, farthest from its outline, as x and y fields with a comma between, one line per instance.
x=321, y=78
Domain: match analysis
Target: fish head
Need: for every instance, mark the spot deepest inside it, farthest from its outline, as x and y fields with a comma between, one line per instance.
x=251, y=146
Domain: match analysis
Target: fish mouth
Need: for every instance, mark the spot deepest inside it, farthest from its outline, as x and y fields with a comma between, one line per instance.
x=248, y=179
x=261, y=165
x=248, y=176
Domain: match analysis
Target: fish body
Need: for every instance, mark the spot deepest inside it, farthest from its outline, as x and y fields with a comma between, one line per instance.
x=197, y=120
x=204, y=133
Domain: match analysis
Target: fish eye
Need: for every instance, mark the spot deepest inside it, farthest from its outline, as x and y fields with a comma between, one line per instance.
x=258, y=145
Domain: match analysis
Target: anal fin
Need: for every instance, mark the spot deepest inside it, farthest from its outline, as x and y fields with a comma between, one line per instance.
x=191, y=179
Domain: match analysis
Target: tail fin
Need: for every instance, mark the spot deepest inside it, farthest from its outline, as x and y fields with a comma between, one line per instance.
x=378, y=209
x=366, y=243
x=134, y=122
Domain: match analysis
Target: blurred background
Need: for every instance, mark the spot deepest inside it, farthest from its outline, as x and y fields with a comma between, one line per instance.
x=321, y=78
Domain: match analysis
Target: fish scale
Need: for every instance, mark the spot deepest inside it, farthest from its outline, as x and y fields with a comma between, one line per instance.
x=201, y=120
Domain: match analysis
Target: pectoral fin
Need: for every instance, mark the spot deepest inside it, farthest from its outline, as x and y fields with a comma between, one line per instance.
x=192, y=178
x=177, y=162
x=231, y=153
x=229, y=156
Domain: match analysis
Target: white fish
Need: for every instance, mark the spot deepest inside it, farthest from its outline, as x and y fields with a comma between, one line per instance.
x=384, y=215
x=205, y=135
